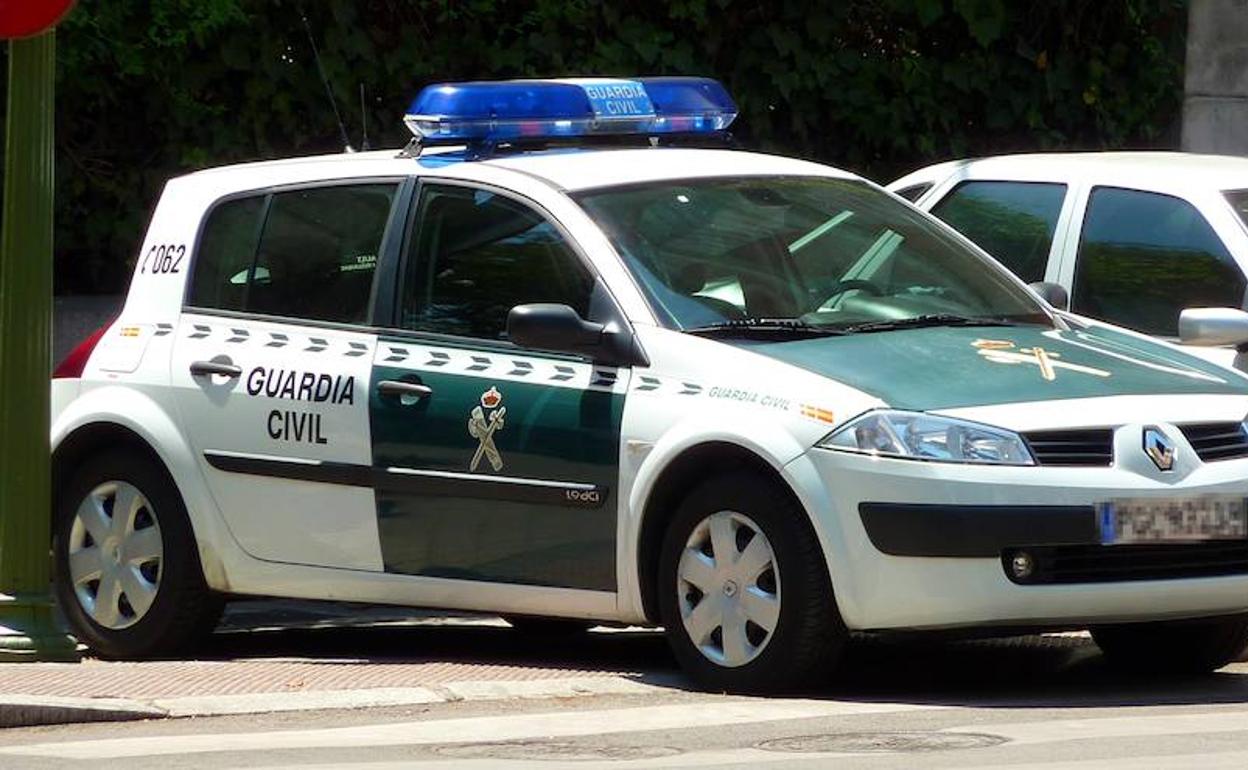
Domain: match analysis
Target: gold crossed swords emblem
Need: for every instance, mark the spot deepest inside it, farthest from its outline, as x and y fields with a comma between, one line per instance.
x=1004, y=352
x=483, y=428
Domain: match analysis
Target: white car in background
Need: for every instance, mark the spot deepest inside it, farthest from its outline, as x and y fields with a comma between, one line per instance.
x=1153, y=241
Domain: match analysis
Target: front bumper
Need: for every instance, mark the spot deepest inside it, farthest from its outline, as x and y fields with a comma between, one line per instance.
x=949, y=569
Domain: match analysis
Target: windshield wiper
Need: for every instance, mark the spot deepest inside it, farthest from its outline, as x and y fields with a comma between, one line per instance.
x=764, y=327
x=920, y=321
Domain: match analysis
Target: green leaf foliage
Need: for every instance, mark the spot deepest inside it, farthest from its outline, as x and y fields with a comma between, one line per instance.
x=149, y=89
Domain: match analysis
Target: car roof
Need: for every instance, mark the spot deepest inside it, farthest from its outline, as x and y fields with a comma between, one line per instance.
x=1222, y=172
x=569, y=169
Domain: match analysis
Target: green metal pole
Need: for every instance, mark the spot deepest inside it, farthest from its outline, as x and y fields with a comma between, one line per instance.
x=28, y=625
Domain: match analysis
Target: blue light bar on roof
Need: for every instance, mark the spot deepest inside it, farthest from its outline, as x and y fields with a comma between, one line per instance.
x=514, y=110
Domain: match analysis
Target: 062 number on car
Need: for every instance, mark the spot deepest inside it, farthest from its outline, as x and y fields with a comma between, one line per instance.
x=163, y=259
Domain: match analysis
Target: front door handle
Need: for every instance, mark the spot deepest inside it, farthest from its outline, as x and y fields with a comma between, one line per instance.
x=218, y=368
x=408, y=392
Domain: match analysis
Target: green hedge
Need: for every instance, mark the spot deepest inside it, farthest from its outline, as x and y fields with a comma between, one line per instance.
x=150, y=89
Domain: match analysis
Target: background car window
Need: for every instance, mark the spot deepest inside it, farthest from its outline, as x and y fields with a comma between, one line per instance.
x=1143, y=257
x=226, y=250
x=477, y=255
x=1239, y=201
x=914, y=191
x=314, y=258
x=1012, y=221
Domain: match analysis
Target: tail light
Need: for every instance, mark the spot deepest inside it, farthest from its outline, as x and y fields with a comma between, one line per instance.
x=77, y=359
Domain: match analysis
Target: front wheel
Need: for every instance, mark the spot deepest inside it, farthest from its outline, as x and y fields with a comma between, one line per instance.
x=1174, y=647
x=743, y=589
x=127, y=568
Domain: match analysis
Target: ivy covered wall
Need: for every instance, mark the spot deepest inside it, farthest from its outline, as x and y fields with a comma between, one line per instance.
x=154, y=88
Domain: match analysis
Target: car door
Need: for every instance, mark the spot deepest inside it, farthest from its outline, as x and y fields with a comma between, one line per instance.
x=501, y=464
x=271, y=367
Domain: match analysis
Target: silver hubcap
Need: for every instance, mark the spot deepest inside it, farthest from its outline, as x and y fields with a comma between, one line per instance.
x=728, y=585
x=115, y=554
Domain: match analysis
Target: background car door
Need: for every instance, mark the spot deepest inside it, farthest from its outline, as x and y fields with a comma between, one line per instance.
x=271, y=373
x=502, y=463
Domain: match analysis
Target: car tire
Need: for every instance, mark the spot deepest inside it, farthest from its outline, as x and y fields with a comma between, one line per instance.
x=144, y=560
x=1174, y=647
x=550, y=628
x=791, y=590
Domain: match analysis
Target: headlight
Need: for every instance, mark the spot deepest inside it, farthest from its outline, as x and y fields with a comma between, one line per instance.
x=919, y=436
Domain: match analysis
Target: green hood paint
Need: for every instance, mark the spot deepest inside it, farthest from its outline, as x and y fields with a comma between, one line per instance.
x=943, y=368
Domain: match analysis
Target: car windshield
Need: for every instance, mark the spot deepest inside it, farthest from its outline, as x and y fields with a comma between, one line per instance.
x=1239, y=202
x=800, y=253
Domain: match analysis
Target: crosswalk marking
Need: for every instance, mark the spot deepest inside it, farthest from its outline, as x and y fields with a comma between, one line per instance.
x=469, y=729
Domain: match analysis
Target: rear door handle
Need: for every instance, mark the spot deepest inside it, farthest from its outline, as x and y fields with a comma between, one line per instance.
x=218, y=368
x=407, y=391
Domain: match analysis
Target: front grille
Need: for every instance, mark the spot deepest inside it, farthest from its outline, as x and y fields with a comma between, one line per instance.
x=1118, y=563
x=1217, y=440
x=1087, y=446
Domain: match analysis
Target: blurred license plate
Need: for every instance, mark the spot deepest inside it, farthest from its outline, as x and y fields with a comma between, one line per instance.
x=1181, y=519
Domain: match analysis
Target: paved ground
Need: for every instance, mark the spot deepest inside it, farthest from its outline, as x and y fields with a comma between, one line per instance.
x=1033, y=702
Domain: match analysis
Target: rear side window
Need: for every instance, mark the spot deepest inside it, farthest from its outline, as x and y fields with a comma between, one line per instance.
x=1143, y=257
x=1012, y=221
x=308, y=254
x=226, y=252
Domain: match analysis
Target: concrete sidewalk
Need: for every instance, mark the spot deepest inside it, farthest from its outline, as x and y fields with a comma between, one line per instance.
x=292, y=656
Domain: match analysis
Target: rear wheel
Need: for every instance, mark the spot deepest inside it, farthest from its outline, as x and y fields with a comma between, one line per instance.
x=743, y=590
x=1175, y=647
x=127, y=568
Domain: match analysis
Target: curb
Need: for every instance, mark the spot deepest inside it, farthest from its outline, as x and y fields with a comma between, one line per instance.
x=32, y=711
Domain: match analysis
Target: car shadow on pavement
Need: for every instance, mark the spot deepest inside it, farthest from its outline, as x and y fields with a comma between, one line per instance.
x=1016, y=672
x=1025, y=672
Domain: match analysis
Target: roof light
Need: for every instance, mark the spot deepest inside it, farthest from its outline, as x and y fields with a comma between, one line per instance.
x=516, y=110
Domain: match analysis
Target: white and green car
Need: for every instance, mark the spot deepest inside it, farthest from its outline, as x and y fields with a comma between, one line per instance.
x=571, y=369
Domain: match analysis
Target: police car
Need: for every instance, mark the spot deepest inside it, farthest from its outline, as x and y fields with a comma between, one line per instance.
x=565, y=358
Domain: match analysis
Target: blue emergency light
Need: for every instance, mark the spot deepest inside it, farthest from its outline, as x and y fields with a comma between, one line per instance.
x=515, y=111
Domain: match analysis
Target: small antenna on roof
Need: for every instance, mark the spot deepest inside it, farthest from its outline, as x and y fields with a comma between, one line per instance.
x=346, y=141
x=364, y=145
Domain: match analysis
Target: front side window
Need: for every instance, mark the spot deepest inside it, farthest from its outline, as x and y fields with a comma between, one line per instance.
x=826, y=252
x=477, y=255
x=307, y=253
x=1144, y=256
x=1012, y=221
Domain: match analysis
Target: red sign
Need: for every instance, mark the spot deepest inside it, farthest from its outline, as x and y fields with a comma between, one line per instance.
x=23, y=18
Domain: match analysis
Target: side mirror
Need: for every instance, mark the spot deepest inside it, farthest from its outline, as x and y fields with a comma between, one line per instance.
x=1212, y=326
x=560, y=329
x=1051, y=293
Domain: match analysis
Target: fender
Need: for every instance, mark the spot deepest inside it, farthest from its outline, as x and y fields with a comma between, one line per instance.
x=804, y=479
x=770, y=441
x=139, y=413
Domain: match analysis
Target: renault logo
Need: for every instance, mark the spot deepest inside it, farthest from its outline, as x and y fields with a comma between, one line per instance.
x=1158, y=448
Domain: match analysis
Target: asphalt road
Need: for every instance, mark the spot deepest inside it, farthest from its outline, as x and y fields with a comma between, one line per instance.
x=1032, y=702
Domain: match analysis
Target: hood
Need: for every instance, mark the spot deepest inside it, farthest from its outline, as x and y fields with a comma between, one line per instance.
x=950, y=367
